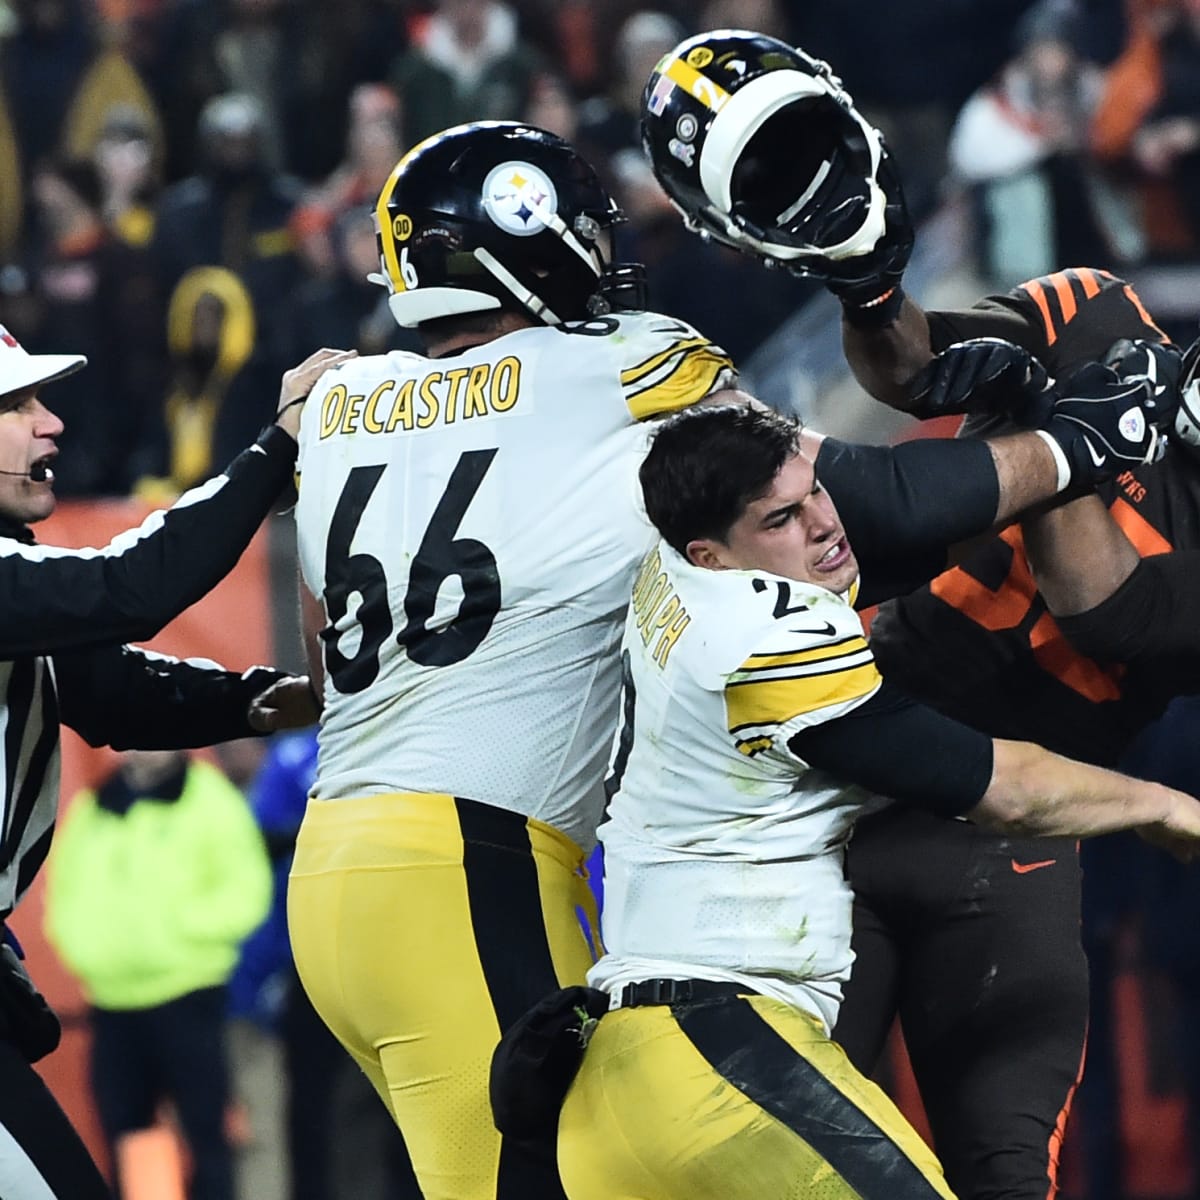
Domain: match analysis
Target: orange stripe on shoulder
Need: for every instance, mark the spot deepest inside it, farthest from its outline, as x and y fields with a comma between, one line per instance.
x=1136, y=301
x=1066, y=294
x=1091, y=282
x=1145, y=538
x=1037, y=293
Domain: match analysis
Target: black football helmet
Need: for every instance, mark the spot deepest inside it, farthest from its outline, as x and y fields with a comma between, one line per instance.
x=492, y=214
x=758, y=146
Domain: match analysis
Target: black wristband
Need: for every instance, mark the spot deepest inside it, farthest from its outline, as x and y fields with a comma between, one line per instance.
x=877, y=313
x=276, y=440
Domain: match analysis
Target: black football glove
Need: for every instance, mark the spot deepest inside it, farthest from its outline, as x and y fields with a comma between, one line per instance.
x=983, y=375
x=1105, y=423
x=1161, y=366
x=862, y=278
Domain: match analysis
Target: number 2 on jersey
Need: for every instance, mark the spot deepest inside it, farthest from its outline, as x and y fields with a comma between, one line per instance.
x=440, y=555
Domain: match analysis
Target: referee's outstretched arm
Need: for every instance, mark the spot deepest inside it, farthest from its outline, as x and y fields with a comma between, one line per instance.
x=53, y=599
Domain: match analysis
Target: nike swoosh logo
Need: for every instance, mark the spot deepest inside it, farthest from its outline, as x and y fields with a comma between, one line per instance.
x=1098, y=459
x=821, y=630
x=1025, y=868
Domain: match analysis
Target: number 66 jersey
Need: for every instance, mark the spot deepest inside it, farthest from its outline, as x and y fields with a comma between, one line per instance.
x=472, y=525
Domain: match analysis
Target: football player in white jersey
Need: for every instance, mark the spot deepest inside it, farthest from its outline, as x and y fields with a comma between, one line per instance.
x=470, y=521
x=755, y=729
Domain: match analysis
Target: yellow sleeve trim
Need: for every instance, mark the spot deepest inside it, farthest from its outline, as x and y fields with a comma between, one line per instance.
x=631, y=375
x=777, y=701
x=841, y=649
x=692, y=380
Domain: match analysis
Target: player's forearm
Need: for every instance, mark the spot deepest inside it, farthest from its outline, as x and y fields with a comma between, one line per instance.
x=1078, y=554
x=884, y=361
x=1039, y=794
x=1026, y=471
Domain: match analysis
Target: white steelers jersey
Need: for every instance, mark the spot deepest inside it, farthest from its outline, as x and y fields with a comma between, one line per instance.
x=722, y=850
x=473, y=524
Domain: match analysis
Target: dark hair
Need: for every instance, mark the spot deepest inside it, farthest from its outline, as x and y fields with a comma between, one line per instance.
x=707, y=464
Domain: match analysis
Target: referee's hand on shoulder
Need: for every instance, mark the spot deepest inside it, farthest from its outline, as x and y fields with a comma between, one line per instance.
x=299, y=381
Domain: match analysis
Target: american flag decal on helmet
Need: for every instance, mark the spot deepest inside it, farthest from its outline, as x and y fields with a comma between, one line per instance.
x=7, y=338
x=660, y=95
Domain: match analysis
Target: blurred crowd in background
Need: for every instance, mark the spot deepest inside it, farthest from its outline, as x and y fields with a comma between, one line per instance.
x=186, y=191
x=185, y=185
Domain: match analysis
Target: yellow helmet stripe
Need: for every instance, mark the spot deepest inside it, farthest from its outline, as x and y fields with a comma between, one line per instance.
x=383, y=221
x=711, y=95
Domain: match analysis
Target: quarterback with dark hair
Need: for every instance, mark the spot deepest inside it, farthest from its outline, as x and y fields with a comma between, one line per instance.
x=756, y=728
x=1072, y=629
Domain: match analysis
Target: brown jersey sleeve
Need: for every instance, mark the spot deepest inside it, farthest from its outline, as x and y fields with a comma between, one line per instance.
x=1065, y=319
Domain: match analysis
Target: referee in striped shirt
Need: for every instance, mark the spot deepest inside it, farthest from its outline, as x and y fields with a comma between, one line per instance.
x=64, y=618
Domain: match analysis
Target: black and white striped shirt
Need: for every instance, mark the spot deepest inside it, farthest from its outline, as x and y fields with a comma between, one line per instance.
x=64, y=616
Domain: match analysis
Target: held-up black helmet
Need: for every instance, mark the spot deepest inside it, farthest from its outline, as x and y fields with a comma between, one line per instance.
x=758, y=146
x=494, y=214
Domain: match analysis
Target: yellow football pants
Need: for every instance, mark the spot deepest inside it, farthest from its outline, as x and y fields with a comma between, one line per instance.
x=422, y=926
x=738, y=1098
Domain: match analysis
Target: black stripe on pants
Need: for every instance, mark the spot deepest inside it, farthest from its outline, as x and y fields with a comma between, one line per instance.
x=503, y=892
x=747, y=1052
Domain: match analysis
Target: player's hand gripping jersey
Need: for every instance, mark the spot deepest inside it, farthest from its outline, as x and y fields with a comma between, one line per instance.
x=723, y=667
x=473, y=525
x=978, y=642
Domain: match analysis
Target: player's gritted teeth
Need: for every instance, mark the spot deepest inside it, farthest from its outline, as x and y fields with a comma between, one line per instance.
x=836, y=556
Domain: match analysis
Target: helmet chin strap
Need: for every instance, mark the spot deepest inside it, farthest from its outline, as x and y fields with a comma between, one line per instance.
x=533, y=303
x=554, y=222
x=529, y=299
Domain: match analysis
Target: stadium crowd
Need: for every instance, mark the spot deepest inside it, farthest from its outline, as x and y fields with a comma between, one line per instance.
x=187, y=197
x=186, y=184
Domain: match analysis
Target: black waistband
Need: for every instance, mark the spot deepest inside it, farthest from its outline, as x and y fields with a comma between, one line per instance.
x=678, y=991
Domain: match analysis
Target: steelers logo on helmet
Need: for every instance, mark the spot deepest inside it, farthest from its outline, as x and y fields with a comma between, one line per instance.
x=519, y=198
